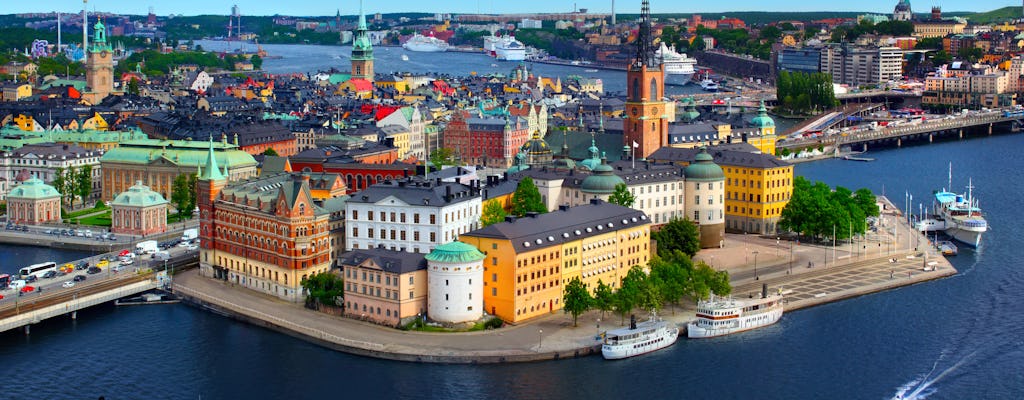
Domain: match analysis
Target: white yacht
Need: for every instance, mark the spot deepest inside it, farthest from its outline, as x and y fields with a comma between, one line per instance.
x=679, y=68
x=708, y=85
x=427, y=44
x=720, y=316
x=639, y=338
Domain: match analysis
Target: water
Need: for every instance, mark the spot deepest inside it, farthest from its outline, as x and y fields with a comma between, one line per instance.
x=948, y=339
x=313, y=58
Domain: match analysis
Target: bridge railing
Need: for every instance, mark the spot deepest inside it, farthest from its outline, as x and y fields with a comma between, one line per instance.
x=76, y=304
x=311, y=332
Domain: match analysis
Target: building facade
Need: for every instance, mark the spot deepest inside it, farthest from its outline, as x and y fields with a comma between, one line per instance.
x=491, y=142
x=529, y=260
x=705, y=200
x=383, y=286
x=362, y=51
x=33, y=202
x=455, y=283
x=855, y=66
x=645, y=127
x=138, y=211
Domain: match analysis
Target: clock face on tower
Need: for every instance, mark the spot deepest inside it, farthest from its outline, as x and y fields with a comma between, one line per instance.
x=654, y=111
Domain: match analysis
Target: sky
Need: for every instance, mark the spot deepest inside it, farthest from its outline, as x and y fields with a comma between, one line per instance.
x=310, y=7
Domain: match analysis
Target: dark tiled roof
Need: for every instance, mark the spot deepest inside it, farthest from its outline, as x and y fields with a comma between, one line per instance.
x=414, y=191
x=565, y=225
x=736, y=155
x=391, y=261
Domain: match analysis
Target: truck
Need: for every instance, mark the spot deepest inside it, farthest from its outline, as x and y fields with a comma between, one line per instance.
x=147, y=247
x=189, y=234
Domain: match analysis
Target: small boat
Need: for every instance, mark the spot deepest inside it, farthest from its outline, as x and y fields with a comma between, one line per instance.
x=590, y=70
x=719, y=316
x=947, y=248
x=639, y=338
x=148, y=298
x=405, y=57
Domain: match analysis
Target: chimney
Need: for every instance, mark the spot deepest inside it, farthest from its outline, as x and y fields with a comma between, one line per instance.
x=532, y=214
x=510, y=218
x=596, y=201
x=448, y=193
x=437, y=182
x=764, y=290
x=563, y=207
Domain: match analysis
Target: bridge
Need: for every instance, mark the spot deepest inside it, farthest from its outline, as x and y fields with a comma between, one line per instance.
x=896, y=134
x=25, y=309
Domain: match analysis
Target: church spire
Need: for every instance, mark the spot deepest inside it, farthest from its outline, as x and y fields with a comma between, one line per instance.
x=211, y=173
x=644, y=52
x=362, y=17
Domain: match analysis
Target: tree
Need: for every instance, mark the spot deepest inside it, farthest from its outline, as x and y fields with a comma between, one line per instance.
x=83, y=184
x=180, y=193
x=629, y=295
x=257, y=61
x=492, y=213
x=324, y=288
x=970, y=54
x=193, y=183
x=61, y=184
x=441, y=157
x=527, y=198
x=678, y=234
x=671, y=277
x=604, y=298
x=270, y=152
x=622, y=196
x=133, y=86
x=576, y=299
x=70, y=185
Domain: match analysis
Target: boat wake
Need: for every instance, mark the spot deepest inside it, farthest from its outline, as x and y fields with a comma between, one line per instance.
x=920, y=388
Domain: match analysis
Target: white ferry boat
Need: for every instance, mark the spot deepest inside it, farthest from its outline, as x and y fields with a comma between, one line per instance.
x=428, y=44
x=961, y=216
x=720, y=316
x=679, y=68
x=637, y=339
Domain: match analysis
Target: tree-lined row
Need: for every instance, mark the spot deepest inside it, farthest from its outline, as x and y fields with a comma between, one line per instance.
x=817, y=211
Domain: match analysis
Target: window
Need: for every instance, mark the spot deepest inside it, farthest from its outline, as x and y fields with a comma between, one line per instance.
x=433, y=220
x=410, y=282
x=494, y=260
x=696, y=199
x=494, y=291
x=494, y=277
x=696, y=215
x=416, y=218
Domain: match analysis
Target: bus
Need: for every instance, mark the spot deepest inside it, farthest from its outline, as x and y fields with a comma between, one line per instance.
x=38, y=269
x=5, y=280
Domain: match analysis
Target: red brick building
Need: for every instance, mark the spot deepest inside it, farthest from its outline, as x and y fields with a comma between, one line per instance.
x=491, y=142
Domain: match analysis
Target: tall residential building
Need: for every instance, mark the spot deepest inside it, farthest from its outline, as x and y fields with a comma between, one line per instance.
x=854, y=66
x=529, y=260
x=362, y=50
x=646, y=127
x=410, y=214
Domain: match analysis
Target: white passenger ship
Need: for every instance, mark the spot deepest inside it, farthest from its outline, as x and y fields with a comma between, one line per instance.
x=679, y=68
x=720, y=316
x=637, y=339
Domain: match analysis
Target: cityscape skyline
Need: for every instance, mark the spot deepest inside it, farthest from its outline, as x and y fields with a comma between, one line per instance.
x=256, y=8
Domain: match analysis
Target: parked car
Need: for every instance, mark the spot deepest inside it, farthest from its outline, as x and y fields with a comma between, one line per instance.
x=28, y=289
x=79, y=278
x=24, y=228
x=94, y=270
x=68, y=284
x=31, y=278
x=102, y=263
x=112, y=237
x=49, y=274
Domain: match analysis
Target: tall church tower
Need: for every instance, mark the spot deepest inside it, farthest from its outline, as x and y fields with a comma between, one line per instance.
x=99, y=66
x=208, y=186
x=362, y=50
x=646, y=128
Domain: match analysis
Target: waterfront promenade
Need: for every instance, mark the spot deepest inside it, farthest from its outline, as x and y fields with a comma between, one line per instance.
x=836, y=274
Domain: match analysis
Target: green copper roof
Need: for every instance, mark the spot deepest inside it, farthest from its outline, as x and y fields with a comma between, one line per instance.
x=455, y=252
x=35, y=189
x=209, y=171
x=762, y=120
x=704, y=169
x=138, y=195
x=603, y=181
x=185, y=153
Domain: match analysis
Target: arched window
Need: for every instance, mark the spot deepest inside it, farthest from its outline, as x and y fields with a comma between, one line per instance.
x=654, y=89
x=636, y=89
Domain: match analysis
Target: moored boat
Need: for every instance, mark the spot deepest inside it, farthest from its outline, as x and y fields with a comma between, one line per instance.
x=679, y=68
x=961, y=214
x=639, y=338
x=428, y=44
x=720, y=316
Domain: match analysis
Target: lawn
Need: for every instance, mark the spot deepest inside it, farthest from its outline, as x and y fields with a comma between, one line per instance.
x=96, y=220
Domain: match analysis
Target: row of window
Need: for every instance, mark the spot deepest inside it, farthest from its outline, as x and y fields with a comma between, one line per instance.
x=543, y=305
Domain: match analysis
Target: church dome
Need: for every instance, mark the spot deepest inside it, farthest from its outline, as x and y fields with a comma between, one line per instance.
x=704, y=169
x=603, y=180
x=762, y=120
x=33, y=188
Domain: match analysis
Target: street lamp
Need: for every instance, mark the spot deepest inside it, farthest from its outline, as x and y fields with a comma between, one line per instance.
x=540, y=339
x=777, y=246
x=755, y=266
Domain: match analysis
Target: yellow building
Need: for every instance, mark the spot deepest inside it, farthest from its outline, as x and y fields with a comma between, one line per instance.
x=400, y=85
x=15, y=91
x=401, y=137
x=765, y=125
x=531, y=259
x=938, y=28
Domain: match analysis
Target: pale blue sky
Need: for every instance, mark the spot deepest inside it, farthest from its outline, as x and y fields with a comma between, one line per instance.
x=307, y=7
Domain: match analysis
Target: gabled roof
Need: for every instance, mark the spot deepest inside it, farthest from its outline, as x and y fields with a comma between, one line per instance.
x=390, y=261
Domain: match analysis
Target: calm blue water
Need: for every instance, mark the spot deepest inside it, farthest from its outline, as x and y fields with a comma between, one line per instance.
x=950, y=339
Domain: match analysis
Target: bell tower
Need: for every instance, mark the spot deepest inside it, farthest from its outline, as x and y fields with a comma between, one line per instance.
x=362, y=50
x=208, y=186
x=99, y=66
x=646, y=128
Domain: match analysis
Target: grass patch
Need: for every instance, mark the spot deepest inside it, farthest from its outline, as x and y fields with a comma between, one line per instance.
x=72, y=215
x=172, y=218
x=420, y=326
x=96, y=220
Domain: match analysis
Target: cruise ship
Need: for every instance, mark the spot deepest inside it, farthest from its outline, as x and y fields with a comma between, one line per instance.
x=427, y=44
x=679, y=68
x=958, y=215
x=638, y=338
x=505, y=48
x=720, y=316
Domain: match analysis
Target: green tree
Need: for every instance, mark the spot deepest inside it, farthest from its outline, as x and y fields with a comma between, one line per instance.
x=133, y=86
x=492, y=213
x=270, y=152
x=257, y=61
x=193, y=184
x=180, y=193
x=604, y=298
x=678, y=234
x=672, y=278
x=61, y=184
x=441, y=157
x=576, y=300
x=622, y=196
x=630, y=294
x=970, y=54
x=83, y=182
x=324, y=288
x=941, y=57
x=527, y=198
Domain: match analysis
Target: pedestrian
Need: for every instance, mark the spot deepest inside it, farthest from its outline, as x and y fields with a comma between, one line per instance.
x=891, y=273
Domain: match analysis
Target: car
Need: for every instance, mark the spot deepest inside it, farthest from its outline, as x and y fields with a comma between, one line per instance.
x=112, y=237
x=102, y=263
x=127, y=261
x=28, y=289
x=93, y=270
x=31, y=278
x=184, y=244
x=49, y=274
x=66, y=268
x=24, y=228
x=191, y=247
x=48, y=231
x=79, y=278
x=68, y=284
x=82, y=265
x=80, y=233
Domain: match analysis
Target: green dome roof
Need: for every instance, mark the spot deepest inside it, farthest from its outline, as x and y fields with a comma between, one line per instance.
x=455, y=252
x=138, y=195
x=603, y=181
x=690, y=114
x=34, y=188
x=704, y=169
x=762, y=120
